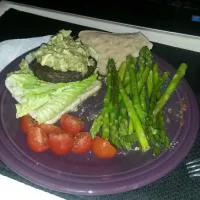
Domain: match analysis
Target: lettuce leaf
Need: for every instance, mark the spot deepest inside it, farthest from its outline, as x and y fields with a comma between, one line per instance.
x=45, y=101
x=57, y=103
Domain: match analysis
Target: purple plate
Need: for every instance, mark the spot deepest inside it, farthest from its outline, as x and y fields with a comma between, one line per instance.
x=86, y=174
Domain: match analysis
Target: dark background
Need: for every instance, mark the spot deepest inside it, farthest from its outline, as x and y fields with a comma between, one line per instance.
x=170, y=15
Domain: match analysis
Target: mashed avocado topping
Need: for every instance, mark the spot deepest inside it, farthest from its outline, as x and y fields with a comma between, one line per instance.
x=64, y=53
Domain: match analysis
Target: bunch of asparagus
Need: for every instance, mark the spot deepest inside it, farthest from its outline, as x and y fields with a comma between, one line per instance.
x=133, y=104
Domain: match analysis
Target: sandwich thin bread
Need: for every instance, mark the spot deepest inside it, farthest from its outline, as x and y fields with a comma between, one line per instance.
x=114, y=45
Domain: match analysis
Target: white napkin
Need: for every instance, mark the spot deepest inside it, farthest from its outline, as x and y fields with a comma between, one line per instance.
x=11, y=49
x=12, y=189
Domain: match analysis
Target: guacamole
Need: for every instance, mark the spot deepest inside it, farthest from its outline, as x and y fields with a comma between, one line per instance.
x=63, y=53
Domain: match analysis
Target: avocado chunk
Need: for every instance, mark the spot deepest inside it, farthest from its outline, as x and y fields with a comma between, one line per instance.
x=65, y=53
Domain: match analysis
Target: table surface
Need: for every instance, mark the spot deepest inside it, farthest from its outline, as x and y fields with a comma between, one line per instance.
x=175, y=185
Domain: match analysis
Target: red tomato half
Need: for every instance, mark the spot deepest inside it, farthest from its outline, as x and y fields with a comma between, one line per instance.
x=37, y=140
x=60, y=142
x=49, y=128
x=82, y=142
x=102, y=148
x=26, y=123
x=71, y=124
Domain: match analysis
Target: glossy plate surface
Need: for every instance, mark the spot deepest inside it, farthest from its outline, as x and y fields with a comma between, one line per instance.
x=86, y=174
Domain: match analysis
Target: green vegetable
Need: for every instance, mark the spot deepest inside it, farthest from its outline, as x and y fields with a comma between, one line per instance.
x=141, y=62
x=155, y=74
x=143, y=79
x=123, y=115
x=114, y=112
x=162, y=133
x=107, y=99
x=46, y=102
x=170, y=88
x=130, y=62
x=150, y=84
x=156, y=91
x=122, y=71
x=143, y=99
x=64, y=101
x=130, y=127
x=114, y=137
x=64, y=53
x=135, y=120
x=96, y=125
x=123, y=126
x=23, y=84
x=129, y=138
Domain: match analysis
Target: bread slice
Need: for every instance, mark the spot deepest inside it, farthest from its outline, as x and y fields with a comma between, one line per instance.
x=113, y=45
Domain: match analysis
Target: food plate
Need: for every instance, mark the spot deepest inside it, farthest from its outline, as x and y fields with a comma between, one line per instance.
x=86, y=174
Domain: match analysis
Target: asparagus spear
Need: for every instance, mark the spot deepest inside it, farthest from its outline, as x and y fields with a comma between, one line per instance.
x=141, y=62
x=134, y=91
x=114, y=133
x=143, y=99
x=96, y=125
x=114, y=114
x=122, y=71
x=123, y=126
x=128, y=88
x=153, y=135
x=149, y=57
x=157, y=134
x=156, y=90
x=163, y=135
x=155, y=74
x=151, y=123
x=150, y=84
x=107, y=99
x=143, y=79
x=130, y=62
x=161, y=126
x=145, y=74
x=135, y=120
x=130, y=127
x=145, y=62
x=129, y=138
x=170, y=88
x=123, y=122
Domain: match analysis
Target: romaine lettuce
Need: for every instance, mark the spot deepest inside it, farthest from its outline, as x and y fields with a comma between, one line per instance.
x=46, y=101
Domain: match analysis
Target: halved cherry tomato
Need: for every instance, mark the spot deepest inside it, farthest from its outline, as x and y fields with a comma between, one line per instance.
x=37, y=140
x=82, y=142
x=102, y=148
x=71, y=124
x=49, y=128
x=26, y=123
x=60, y=142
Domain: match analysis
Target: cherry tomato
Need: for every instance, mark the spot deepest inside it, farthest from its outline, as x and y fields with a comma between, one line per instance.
x=71, y=124
x=49, y=128
x=37, y=140
x=102, y=148
x=26, y=123
x=60, y=142
x=82, y=142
